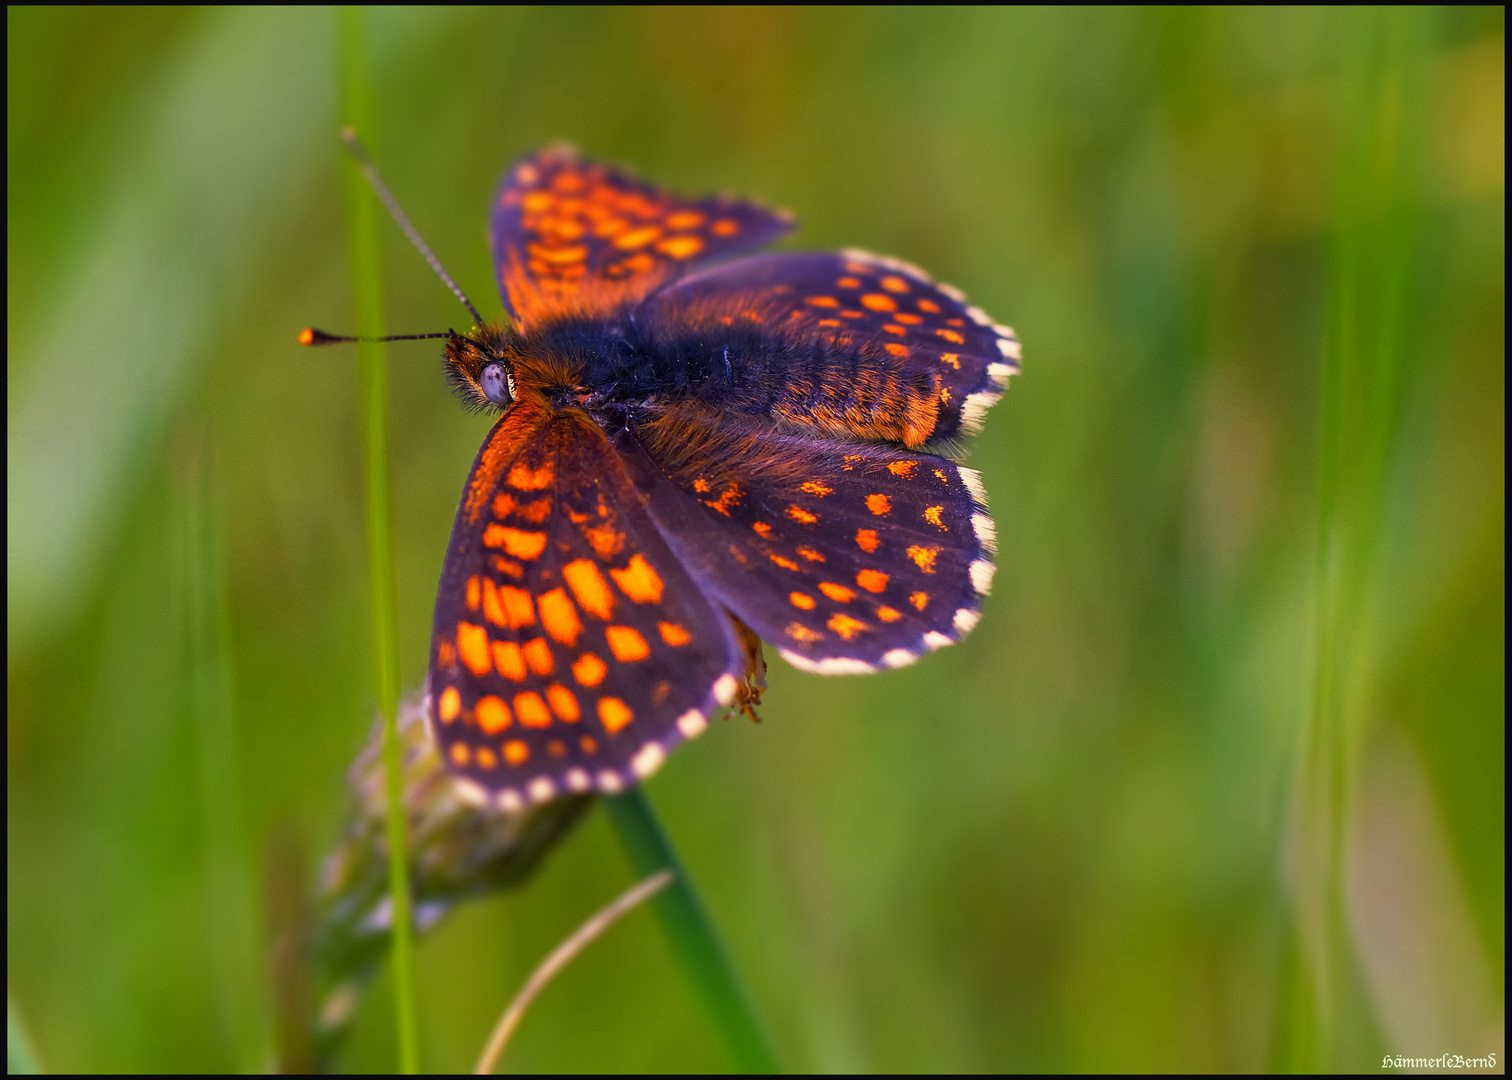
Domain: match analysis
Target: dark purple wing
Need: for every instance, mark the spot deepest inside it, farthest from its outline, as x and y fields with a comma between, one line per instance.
x=848, y=557
x=863, y=346
x=570, y=650
x=570, y=234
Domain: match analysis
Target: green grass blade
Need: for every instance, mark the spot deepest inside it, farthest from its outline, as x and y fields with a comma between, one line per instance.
x=368, y=304
x=1332, y=1026
x=691, y=934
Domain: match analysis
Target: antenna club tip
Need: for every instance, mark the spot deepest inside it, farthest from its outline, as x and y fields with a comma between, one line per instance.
x=307, y=336
x=348, y=133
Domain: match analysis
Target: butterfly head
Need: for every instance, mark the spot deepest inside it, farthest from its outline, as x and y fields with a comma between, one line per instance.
x=481, y=367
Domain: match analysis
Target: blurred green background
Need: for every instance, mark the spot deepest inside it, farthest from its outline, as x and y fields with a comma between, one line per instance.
x=1218, y=783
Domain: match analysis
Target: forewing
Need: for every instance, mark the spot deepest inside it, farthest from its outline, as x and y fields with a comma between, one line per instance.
x=878, y=317
x=848, y=558
x=572, y=235
x=570, y=650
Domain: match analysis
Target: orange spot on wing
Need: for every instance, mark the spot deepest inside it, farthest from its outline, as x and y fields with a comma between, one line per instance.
x=493, y=611
x=725, y=227
x=474, y=593
x=953, y=359
x=941, y=477
x=589, y=670
x=626, y=643
x=951, y=336
x=684, y=219
x=879, y=302
x=614, y=714
x=450, y=705
x=935, y=515
x=681, y=247
x=727, y=498
x=894, y=328
x=866, y=540
x=531, y=710
x=509, y=660
x=929, y=306
x=893, y=283
x=589, y=744
x=848, y=283
x=487, y=759
x=460, y=754
x=887, y=614
x=535, y=512
x=815, y=487
x=520, y=544
x=637, y=238
x=924, y=556
x=802, y=600
x=845, y=626
x=524, y=478
x=492, y=715
x=762, y=529
x=908, y=320
x=564, y=703
x=673, y=634
x=605, y=540
x=559, y=617
x=896, y=349
x=518, y=610
x=822, y=301
x=516, y=752
x=446, y=654
x=786, y=564
x=918, y=599
x=472, y=646
x=838, y=593
x=556, y=256
x=639, y=581
x=589, y=588
x=701, y=485
x=538, y=655
x=811, y=554
x=507, y=567
x=799, y=632
x=799, y=514
x=871, y=580
x=879, y=504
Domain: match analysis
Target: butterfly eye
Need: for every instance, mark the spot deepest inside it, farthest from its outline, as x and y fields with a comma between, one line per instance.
x=497, y=384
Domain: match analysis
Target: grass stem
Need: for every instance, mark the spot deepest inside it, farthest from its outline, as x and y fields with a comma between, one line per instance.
x=559, y=958
x=691, y=934
x=373, y=380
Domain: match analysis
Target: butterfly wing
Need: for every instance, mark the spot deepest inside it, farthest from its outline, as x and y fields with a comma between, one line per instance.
x=572, y=235
x=570, y=649
x=848, y=557
x=852, y=344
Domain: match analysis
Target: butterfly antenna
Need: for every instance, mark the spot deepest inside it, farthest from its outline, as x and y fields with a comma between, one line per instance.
x=311, y=336
x=369, y=170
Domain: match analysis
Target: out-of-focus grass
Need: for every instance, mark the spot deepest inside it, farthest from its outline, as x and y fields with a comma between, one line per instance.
x=372, y=365
x=1069, y=842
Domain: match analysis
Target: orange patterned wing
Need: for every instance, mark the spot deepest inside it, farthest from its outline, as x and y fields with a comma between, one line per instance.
x=570, y=650
x=571, y=235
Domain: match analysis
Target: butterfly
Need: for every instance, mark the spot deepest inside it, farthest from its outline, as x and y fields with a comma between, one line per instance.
x=694, y=452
